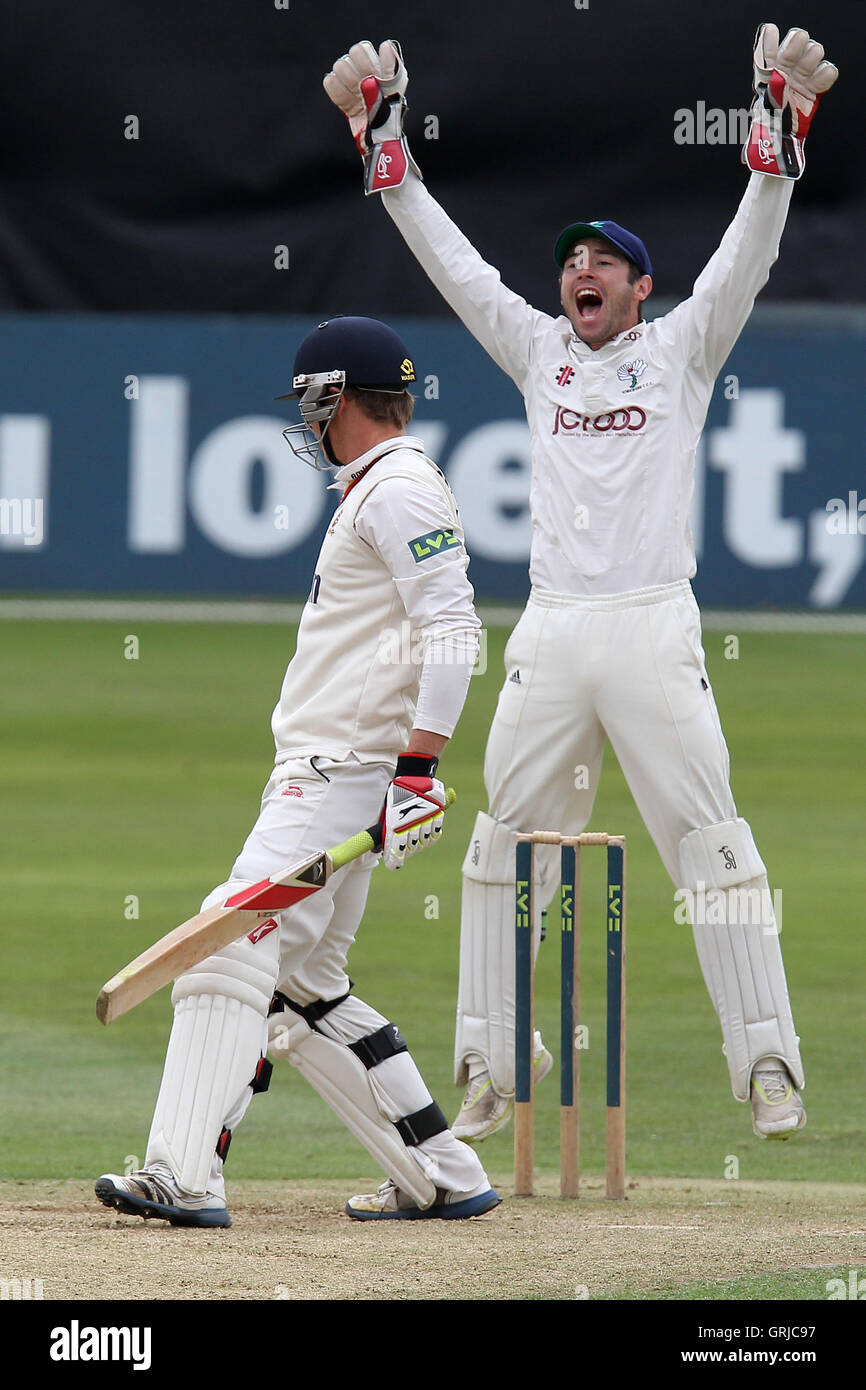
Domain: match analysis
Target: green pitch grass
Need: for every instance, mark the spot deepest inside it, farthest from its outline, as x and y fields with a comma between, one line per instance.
x=129, y=786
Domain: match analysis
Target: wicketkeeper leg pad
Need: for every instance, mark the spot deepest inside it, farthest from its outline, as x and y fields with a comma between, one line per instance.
x=214, y=1061
x=725, y=888
x=485, y=1000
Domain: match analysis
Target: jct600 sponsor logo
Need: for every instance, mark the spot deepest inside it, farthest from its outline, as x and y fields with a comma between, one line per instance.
x=630, y=418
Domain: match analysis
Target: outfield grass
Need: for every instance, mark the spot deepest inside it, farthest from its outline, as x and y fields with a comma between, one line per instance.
x=141, y=778
x=792, y=1286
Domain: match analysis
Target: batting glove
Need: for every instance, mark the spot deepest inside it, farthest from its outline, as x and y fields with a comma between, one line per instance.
x=413, y=812
x=370, y=90
x=789, y=82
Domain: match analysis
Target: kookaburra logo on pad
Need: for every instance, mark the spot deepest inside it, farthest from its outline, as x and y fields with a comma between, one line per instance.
x=728, y=856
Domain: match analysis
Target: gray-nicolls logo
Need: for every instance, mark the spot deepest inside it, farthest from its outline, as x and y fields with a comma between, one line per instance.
x=728, y=855
x=476, y=851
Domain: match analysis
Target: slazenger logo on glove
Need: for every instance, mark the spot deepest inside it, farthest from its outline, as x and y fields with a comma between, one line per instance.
x=611, y=421
x=264, y=930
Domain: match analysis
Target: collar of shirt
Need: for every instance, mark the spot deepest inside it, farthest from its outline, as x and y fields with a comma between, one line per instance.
x=583, y=350
x=351, y=473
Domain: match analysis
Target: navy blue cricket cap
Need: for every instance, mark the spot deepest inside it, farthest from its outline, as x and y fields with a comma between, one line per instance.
x=370, y=353
x=626, y=242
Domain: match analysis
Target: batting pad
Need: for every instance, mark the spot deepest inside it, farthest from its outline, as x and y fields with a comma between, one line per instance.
x=731, y=910
x=485, y=999
x=217, y=1038
x=343, y=1082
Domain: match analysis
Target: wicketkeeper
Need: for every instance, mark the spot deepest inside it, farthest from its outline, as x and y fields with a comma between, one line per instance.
x=358, y=729
x=609, y=645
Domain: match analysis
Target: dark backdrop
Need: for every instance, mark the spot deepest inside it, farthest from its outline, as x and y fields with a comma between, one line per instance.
x=546, y=114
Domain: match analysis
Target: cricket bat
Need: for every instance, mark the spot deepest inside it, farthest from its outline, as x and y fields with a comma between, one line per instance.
x=218, y=926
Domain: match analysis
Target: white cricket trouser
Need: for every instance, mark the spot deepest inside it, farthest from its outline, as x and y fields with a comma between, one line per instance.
x=307, y=805
x=629, y=667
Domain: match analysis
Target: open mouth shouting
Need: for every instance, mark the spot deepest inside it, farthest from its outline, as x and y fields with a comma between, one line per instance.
x=589, y=302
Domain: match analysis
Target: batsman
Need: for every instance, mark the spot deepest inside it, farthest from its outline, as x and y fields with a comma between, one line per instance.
x=609, y=645
x=358, y=730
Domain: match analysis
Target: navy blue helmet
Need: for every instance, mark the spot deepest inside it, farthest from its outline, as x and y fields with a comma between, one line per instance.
x=358, y=352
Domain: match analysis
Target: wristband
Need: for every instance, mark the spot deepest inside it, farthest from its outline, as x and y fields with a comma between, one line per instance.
x=416, y=765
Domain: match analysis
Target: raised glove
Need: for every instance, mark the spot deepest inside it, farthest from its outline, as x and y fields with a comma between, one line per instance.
x=370, y=90
x=789, y=81
x=413, y=812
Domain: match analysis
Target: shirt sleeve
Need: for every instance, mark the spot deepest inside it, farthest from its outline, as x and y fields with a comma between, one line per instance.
x=504, y=324
x=708, y=323
x=411, y=528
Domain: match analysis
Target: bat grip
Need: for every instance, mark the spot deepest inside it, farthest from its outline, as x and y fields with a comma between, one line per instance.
x=369, y=840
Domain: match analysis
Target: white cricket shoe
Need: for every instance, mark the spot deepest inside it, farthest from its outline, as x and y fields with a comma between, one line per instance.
x=777, y=1110
x=154, y=1191
x=388, y=1203
x=484, y=1110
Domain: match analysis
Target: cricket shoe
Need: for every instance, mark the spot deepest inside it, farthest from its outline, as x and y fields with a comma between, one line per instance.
x=484, y=1110
x=390, y=1204
x=777, y=1110
x=154, y=1192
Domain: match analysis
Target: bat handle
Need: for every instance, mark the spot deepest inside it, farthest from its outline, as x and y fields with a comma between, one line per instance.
x=369, y=840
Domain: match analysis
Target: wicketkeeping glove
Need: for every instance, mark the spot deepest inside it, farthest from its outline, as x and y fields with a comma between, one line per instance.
x=789, y=82
x=370, y=90
x=414, y=810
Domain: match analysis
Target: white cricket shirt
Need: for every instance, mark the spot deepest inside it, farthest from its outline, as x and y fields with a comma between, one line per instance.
x=389, y=634
x=613, y=432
